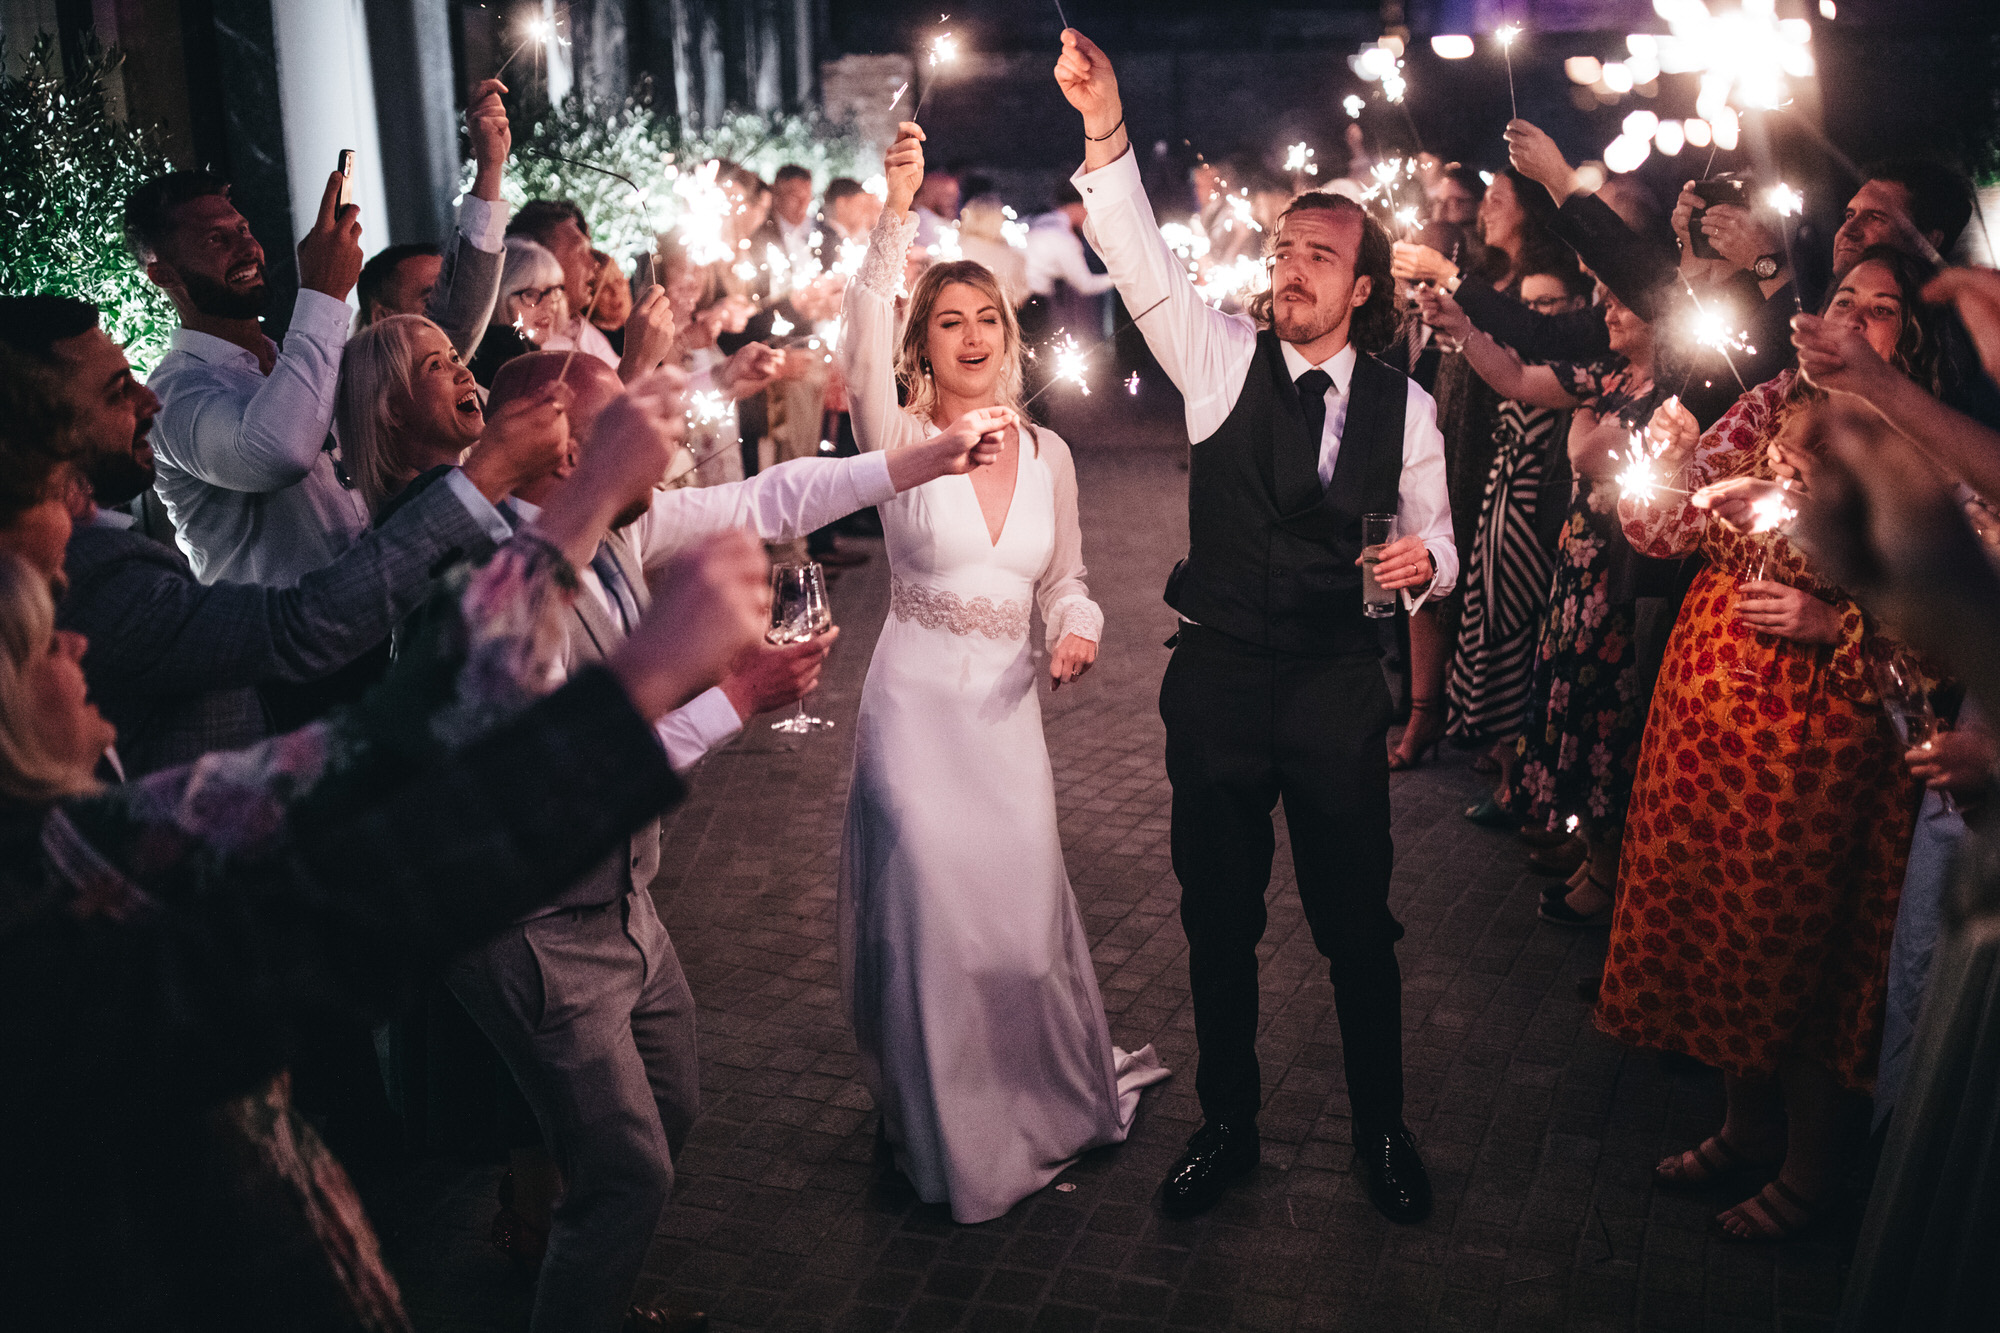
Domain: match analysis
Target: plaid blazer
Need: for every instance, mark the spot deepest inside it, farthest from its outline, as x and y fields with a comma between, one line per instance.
x=174, y=663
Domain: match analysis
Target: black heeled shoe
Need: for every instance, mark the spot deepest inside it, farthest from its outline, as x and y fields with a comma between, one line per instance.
x=1217, y=1156
x=1429, y=735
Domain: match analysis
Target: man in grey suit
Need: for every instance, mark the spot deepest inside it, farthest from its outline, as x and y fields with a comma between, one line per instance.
x=173, y=663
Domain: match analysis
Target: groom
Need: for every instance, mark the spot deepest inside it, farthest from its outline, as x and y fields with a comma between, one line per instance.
x=1275, y=689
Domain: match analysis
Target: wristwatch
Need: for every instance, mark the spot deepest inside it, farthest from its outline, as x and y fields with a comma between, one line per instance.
x=1766, y=267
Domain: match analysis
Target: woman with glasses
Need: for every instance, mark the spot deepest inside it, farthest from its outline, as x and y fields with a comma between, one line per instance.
x=531, y=309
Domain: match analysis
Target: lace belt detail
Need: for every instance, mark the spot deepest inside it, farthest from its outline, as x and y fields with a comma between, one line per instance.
x=934, y=608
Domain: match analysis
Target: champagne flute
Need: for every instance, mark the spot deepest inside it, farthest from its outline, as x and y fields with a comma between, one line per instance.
x=1907, y=702
x=799, y=613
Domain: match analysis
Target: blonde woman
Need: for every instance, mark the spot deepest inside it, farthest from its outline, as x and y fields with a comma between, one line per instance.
x=406, y=404
x=966, y=967
x=982, y=238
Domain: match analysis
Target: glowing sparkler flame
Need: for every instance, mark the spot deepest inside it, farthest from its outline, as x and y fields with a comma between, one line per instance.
x=944, y=48
x=1507, y=32
x=1710, y=330
x=1771, y=512
x=780, y=326
x=1132, y=384
x=1352, y=105
x=1299, y=157
x=1785, y=201
x=1070, y=361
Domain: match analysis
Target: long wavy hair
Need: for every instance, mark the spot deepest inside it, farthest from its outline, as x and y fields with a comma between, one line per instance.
x=28, y=771
x=913, y=360
x=377, y=371
x=1372, y=325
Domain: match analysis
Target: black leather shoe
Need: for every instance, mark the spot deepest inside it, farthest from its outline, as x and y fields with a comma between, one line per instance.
x=664, y=1319
x=1397, y=1182
x=1217, y=1155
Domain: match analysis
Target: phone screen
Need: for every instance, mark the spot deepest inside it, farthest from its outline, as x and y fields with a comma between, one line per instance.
x=345, y=167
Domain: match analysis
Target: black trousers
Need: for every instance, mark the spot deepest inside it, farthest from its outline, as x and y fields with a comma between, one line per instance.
x=1247, y=728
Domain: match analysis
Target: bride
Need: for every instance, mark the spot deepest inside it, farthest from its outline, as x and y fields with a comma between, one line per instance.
x=965, y=965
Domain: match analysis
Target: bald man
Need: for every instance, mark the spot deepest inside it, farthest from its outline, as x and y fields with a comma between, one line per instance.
x=586, y=1000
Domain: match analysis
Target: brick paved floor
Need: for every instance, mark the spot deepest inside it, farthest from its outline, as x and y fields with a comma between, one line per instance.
x=1539, y=1132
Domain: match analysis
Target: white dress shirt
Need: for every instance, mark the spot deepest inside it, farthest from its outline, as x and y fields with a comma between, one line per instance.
x=782, y=503
x=796, y=241
x=241, y=457
x=1207, y=354
x=1055, y=252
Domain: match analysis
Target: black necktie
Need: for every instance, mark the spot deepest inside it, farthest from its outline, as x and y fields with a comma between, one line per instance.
x=1312, y=397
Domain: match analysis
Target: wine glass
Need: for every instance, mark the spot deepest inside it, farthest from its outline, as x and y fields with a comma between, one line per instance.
x=799, y=612
x=1907, y=702
x=1758, y=567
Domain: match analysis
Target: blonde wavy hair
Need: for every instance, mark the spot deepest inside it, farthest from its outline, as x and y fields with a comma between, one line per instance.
x=28, y=771
x=913, y=362
x=377, y=375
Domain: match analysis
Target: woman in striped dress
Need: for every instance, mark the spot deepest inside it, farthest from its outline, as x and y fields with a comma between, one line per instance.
x=1511, y=562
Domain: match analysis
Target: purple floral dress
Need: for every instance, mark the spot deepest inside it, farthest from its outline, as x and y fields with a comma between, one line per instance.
x=1586, y=713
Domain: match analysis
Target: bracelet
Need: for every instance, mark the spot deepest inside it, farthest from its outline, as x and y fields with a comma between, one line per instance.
x=1100, y=138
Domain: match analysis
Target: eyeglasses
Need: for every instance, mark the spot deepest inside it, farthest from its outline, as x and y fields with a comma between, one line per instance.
x=1549, y=305
x=532, y=297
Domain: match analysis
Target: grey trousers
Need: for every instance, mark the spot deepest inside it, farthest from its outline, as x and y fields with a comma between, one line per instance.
x=592, y=1014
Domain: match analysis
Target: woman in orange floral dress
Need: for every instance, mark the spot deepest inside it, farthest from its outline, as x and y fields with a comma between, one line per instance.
x=1772, y=812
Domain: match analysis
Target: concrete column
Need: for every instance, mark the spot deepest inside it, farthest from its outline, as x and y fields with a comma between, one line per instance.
x=409, y=48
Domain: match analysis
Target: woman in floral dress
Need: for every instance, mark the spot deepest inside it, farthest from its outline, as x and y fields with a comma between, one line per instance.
x=1773, y=811
x=1580, y=744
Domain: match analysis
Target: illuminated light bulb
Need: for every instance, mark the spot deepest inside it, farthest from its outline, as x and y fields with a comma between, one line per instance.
x=1641, y=124
x=1451, y=46
x=1699, y=135
x=1625, y=154
x=1618, y=77
x=1585, y=70
x=1589, y=176
x=1726, y=129
x=1352, y=105
x=1669, y=138
x=1828, y=10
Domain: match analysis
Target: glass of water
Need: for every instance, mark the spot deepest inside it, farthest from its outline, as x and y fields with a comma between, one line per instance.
x=1377, y=602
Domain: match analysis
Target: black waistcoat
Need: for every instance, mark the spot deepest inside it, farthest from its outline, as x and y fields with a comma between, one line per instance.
x=1270, y=552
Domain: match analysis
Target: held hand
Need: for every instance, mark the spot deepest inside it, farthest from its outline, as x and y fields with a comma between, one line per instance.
x=1673, y=433
x=1838, y=359
x=711, y=602
x=1693, y=266
x=1975, y=292
x=974, y=440
x=1737, y=235
x=1420, y=263
x=768, y=676
x=1788, y=612
x=1085, y=76
x=649, y=335
x=1959, y=762
x=749, y=369
x=903, y=166
x=1444, y=314
x=1789, y=466
x=525, y=441
x=330, y=254
x=636, y=441
x=1406, y=563
x=1737, y=501
x=492, y=137
x=1072, y=657
x=1535, y=155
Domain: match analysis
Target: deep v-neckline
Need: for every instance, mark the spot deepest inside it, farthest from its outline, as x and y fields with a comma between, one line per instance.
x=993, y=539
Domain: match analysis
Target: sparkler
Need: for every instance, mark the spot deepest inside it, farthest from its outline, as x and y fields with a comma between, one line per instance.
x=1132, y=384
x=539, y=33
x=944, y=50
x=1352, y=105
x=1506, y=33
x=1770, y=512
x=1299, y=157
x=1071, y=359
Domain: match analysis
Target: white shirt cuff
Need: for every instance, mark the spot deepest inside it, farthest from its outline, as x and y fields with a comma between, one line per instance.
x=698, y=726
x=482, y=510
x=320, y=317
x=484, y=223
x=1115, y=180
x=868, y=474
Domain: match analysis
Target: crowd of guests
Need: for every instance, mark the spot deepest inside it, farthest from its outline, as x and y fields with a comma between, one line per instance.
x=365, y=663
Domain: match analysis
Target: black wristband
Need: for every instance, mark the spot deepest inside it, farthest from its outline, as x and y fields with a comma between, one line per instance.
x=1107, y=134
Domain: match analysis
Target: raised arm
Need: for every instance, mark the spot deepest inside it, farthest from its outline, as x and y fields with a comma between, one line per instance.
x=468, y=283
x=1498, y=366
x=1203, y=351
x=868, y=310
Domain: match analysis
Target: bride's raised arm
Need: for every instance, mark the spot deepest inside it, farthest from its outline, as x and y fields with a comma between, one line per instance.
x=868, y=312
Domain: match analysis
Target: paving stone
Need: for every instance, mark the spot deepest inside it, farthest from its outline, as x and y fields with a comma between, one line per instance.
x=1541, y=1133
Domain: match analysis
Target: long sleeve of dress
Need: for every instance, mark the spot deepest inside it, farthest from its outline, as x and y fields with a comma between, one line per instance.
x=868, y=340
x=1668, y=526
x=1061, y=593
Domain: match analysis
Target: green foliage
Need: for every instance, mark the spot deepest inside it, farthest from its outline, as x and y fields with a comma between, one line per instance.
x=633, y=139
x=66, y=167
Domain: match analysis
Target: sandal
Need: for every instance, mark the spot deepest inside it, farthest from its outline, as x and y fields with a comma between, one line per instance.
x=1428, y=738
x=1557, y=911
x=1561, y=861
x=1708, y=1161
x=1773, y=1215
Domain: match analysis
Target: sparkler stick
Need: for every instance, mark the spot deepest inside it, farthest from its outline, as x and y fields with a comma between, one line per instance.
x=1071, y=359
x=1064, y=17
x=944, y=50
x=1507, y=32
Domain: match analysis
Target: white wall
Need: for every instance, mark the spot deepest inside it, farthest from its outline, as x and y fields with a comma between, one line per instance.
x=326, y=92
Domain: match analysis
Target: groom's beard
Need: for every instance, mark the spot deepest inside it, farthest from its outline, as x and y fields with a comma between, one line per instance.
x=1301, y=324
x=218, y=300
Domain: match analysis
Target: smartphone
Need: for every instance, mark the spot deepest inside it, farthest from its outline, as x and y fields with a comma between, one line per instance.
x=1731, y=187
x=346, y=169
x=642, y=273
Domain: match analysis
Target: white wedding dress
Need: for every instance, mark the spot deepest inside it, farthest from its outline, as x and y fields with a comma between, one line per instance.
x=964, y=962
